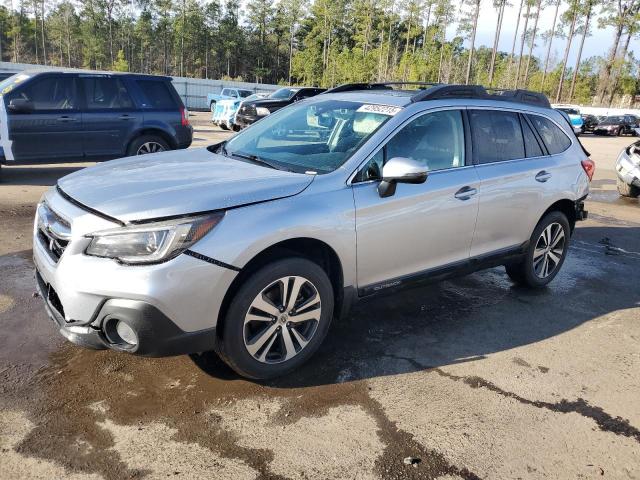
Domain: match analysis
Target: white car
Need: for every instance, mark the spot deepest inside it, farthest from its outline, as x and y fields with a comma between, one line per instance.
x=628, y=170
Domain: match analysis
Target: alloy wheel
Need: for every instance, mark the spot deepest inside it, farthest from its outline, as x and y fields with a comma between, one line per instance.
x=549, y=250
x=149, y=147
x=282, y=319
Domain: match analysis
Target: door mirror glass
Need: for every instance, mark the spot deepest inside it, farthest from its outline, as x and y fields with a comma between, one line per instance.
x=21, y=105
x=400, y=170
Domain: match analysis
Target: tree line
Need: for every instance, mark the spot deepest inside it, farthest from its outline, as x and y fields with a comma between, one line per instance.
x=329, y=42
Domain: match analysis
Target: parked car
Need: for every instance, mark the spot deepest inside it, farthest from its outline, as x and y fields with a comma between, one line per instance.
x=227, y=94
x=225, y=111
x=628, y=171
x=589, y=122
x=60, y=115
x=252, y=246
x=574, y=118
x=617, y=125
x=251, y=112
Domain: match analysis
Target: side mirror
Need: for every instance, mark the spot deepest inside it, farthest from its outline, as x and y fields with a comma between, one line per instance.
x=21, y=105
x=400, y=170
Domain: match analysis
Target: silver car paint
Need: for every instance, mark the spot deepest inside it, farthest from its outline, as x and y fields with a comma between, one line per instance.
x=375, y=239
x=177, y=183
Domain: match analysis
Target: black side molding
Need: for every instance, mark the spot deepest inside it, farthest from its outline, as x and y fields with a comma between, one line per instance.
x=213, y=261
x=455, y=269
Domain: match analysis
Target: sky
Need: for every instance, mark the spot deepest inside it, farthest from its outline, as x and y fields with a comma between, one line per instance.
x=599, y=43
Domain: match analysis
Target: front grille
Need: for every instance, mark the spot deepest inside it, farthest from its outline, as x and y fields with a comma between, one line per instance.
x=50, y=296
x=54, y=301
x=53, y=232
x=55, y=246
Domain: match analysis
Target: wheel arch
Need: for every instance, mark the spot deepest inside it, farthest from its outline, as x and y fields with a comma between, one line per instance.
x=311, y=249
x=171, y=141
x=566, y=206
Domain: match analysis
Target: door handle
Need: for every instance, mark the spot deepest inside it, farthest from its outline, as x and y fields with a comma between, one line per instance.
x=125, y=117
x=465, y=193
x=543, y=176
x=67, y=118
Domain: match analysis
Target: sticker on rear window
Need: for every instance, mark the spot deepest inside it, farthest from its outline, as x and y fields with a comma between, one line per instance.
x=381, y=109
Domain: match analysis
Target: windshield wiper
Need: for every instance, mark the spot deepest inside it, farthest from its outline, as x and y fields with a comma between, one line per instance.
x=254, y=159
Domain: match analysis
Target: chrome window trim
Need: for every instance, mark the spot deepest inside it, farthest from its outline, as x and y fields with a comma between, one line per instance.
x=523, y=112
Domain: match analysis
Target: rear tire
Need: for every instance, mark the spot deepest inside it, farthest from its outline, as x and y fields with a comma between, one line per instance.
x=212, y=106
x=223, y=126
x=545, y=254
x=147, y=144
x=263, y=340
x=627, y=190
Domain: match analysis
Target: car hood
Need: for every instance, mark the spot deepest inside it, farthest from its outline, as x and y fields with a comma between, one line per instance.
x=177, y=183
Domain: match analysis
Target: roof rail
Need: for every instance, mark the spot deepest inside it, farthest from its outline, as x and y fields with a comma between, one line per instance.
x=348, y=87
x=521, y=96
x=479, y=92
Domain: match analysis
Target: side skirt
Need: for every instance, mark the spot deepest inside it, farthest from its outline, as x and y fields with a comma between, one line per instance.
x=456, y=269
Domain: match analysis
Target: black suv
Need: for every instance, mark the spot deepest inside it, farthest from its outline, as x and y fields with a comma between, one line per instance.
x=254, y=110
x=61, y=115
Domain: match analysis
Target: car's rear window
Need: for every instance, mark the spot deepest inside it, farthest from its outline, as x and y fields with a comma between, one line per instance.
x=157, y=94
x=554, y=138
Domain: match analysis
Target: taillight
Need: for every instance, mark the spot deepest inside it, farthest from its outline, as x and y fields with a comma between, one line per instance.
x=184, y=116
x=589, y=167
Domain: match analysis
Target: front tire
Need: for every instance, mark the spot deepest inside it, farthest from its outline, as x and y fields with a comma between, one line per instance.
x=223, y=126
x=627, y=190
x=277, y=319
x=546, y=253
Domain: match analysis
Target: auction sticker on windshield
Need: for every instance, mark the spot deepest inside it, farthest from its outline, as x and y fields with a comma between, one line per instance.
x=381, y=109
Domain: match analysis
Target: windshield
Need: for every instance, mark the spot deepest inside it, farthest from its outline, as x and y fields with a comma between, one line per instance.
x=11, y=82
x=316, y=137
x=284, y=93
x=245, y=93
x=612, y=120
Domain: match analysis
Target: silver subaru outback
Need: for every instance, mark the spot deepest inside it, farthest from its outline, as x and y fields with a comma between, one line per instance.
x=252, y=246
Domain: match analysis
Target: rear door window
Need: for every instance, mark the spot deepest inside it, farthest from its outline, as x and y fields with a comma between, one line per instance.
x=497, y=136
x=49, y=93
x=106, y=93
x=552, y=136
x=157, y=95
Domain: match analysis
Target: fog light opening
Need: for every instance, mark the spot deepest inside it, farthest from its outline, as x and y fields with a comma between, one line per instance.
x=120, y=334
x=126, y=333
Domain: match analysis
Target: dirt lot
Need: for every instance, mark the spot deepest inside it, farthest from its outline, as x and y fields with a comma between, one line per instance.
x=472, y=377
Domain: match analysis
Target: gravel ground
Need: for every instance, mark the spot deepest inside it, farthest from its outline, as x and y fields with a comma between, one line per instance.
x=471, y=378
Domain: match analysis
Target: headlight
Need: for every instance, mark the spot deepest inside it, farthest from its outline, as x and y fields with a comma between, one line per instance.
x=262, y=111
x=152, y=242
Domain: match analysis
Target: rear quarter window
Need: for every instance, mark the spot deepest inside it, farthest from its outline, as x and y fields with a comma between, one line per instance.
x=157, y=95
x=552, y=136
